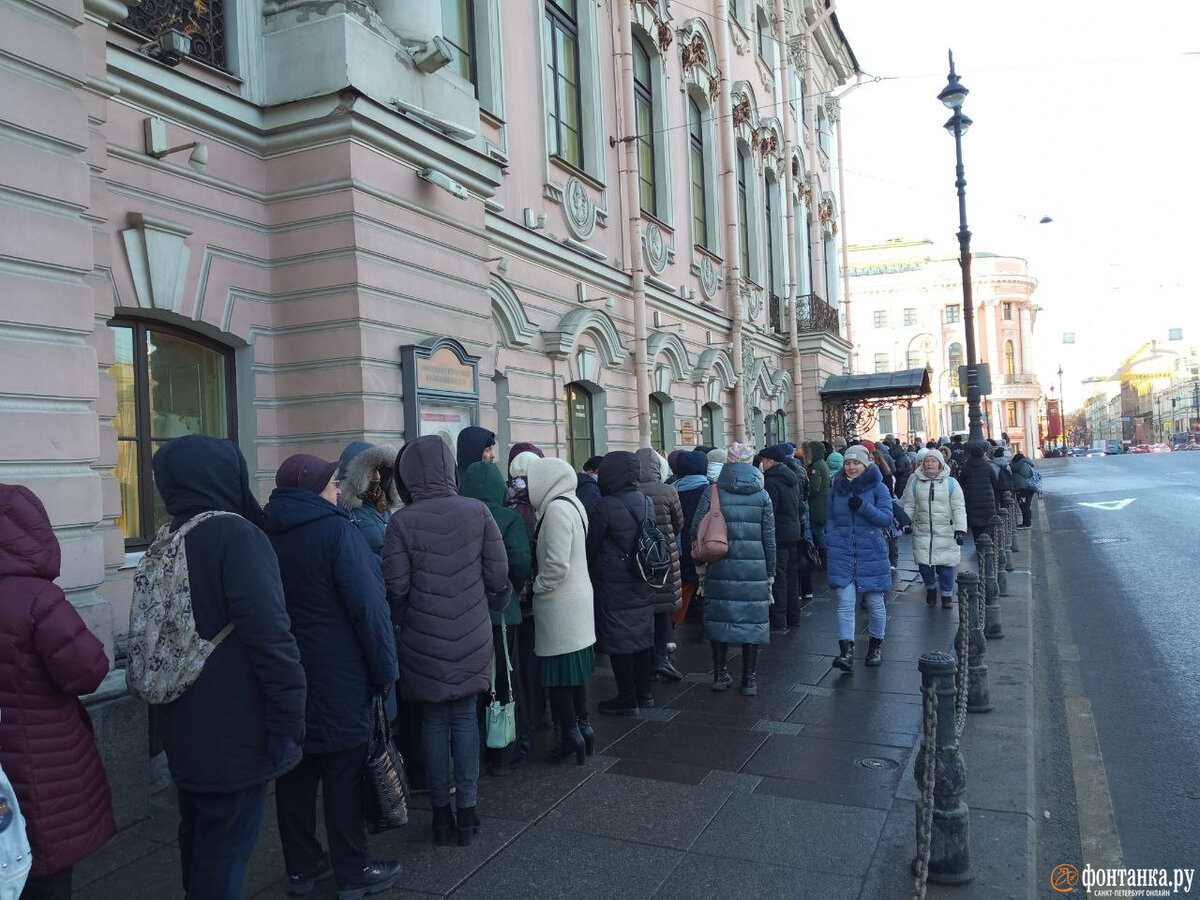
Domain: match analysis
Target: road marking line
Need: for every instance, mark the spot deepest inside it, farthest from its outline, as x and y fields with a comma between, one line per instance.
x=1110, y=504
x=1098, y=835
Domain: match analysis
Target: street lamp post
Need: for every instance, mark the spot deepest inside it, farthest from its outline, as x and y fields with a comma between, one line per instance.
x=1062, y=409
x=952, y=96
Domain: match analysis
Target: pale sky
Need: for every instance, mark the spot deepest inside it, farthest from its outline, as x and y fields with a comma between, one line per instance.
x=1083, y=111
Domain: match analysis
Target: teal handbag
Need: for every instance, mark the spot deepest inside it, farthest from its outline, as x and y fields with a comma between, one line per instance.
x=501, y=716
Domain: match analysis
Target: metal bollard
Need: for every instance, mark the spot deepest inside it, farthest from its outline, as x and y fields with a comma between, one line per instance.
x=943, y=819
x=987, y=572
x=1014, y=515
x=1000, y=549
x=970, y=595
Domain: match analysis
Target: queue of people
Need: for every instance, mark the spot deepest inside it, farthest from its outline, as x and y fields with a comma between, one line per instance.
x=426, y=580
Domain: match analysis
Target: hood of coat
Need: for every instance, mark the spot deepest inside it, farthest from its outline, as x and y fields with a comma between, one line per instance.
x=524, y=447
x=472, y=441
x=292, y=507
x=198, y=473
x=814, y=451
x=941, y=474
x=782, y=472
x=654, y=469
x=740, y=478
x=620, y=471
x=834, y=460
x=548, y=479
x=27, y=543
x=483, y=481
x=355, y=466
x=863, y=484
x=427, y=468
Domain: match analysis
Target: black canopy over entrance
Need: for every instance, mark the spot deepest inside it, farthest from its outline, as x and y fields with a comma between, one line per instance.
x=849, y=402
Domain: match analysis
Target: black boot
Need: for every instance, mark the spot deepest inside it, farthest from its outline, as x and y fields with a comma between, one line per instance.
x=625, y=703
x=721, y=679
x=468, y=825
x=845, y=659
x=931, y=596
x=571, y=743
x=443, y=824
x=749, y=670
x=947, y=602
x=588, y=735
x=874, y=654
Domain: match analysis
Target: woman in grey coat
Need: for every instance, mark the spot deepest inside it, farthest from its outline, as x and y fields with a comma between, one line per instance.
x=737, y=588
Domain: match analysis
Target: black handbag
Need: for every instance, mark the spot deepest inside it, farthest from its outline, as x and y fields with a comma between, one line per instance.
x=386, y=793
x=810, y=557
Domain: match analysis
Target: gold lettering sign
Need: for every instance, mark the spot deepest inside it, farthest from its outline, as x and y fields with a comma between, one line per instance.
x=689, y=432
x=443, y=372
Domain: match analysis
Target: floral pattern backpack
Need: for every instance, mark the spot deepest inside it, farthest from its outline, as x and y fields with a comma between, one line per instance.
x=16, y=856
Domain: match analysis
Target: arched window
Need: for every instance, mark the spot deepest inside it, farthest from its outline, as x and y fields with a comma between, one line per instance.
x=1010, y=359
x=578, y=424
x=699, y=167
x=658, y=440
x=170, y=383
x=743, y=211
x=643, y=103
x=956, y=360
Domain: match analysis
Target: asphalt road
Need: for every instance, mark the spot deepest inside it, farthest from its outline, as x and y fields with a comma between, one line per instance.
x=1117, y=657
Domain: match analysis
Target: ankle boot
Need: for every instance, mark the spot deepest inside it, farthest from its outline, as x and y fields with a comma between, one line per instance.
x=721, y=679
x=588, y=735
x=845, y=659
x=874, y=656
x=750, y=670
x=468, y=825
x=931, y=596
x=571, y=743
x=443, y=824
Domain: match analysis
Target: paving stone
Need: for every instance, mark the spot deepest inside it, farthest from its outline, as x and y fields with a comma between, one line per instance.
x=659, y=771
x=689, y=745
x=859, y=712
x=159, y=868
x=771, y=703
x=901, y=678
x=549, y=861
x=768, y=726
x=828, y=770
x=821, y=837
x=642, y=810
x=529, y=793
x=713, y=876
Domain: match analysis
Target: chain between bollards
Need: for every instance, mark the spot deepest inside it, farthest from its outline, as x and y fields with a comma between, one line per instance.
x=1014, y=516
x=929, y=713
x=1009, y=512
x=987, y=572
x=970, y=594
x=962, y=651
x=1000, y=549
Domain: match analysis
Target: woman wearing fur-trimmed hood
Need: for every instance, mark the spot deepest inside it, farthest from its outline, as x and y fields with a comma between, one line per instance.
x=368, y=488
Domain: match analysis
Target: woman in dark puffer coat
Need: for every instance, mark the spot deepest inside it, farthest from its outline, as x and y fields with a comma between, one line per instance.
x=860, y=508
x=692, y=482
x=979, y=481
x=444, y=564
x=368, y=488
x=624, y=602
x=818, y=495
x=668, y=516
x=737, y=588
x=48, y=658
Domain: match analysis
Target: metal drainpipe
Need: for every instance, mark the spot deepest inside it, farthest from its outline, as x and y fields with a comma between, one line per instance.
x=634, y=208
x=733, y=274
x=810, y=137
x=842, y=210
x=785, y=71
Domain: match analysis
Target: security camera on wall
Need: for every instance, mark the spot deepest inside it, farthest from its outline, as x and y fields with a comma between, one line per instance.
x=170, y=48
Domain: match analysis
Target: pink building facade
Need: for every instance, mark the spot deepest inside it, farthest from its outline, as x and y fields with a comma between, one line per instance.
x=604, y=229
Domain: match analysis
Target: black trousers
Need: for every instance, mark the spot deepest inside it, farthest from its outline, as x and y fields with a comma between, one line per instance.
x=633, y=672
x=531, y=699
x=49, y=887
x=786, y=590
x=340, y=776
x=1025, y=503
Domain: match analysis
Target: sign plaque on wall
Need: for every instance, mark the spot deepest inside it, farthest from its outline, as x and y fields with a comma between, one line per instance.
x=440, y=381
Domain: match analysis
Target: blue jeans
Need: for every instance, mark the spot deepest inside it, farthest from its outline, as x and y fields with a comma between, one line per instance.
x=451, y=727
x=876, y=612
x=217, y=834
x=945, y=578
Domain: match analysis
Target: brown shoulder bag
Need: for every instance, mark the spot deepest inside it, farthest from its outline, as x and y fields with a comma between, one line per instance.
x=712, y=537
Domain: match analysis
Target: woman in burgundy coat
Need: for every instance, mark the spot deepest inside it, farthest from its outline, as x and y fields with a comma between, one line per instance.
x=48, y=658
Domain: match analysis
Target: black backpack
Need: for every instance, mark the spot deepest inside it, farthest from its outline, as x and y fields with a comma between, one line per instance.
x=651, y=552
x=1005, y=477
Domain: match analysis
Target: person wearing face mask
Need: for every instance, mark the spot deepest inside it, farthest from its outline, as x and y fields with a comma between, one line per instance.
x=934, y=502
x=860, y=509
x=368, y=488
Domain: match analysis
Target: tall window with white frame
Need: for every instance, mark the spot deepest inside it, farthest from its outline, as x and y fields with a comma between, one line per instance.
x=564, y=109
x=658, y=440
x=577, y=422
x=1010, y=358
x=763, y=28
x=774, y=313
x=458, y=27
x=699, y=174
x=643, y=104
x=743, y=212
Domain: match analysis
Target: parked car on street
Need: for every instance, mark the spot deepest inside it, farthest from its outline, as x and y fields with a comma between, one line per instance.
x=1141, y=448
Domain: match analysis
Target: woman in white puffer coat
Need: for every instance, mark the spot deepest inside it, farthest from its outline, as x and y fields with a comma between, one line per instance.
x=934, y=502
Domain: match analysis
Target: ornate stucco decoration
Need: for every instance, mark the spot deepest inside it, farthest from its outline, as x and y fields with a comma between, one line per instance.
x=752, y=301
x=158, y=261
x=655, y=19
x=741, y=110
x=579, y=209
x=833, y=109
x=698, y=58
x=654, y=248
x=710, y=278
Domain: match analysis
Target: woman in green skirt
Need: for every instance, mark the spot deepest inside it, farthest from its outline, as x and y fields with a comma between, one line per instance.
x=565, y=634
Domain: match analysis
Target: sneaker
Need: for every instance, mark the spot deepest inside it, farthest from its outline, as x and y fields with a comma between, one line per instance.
x=666, y=669
x=947, y=602
x=722, y=680
x=670, y=646
x=299, y=885
x=375, y=878
x=618, y=706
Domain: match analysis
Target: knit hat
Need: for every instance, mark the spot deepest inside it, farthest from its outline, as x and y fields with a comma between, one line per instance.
x=739, y=452
x=975, y=451
x=777, y=453
x=718, y=455
x=788, y=447
x=303, y=470
x=870, y=445
x=839, y=444
x=673, y=460
x=858, y=453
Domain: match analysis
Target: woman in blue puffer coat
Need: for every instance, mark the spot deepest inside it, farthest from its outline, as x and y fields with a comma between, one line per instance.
x=860, y=508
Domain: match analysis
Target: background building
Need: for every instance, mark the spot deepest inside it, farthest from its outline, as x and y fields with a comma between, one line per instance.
x=907, y=299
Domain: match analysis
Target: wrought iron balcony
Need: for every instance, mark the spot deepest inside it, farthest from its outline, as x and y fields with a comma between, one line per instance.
x=1020, y=379
x=201, y=20
x=814, y=314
